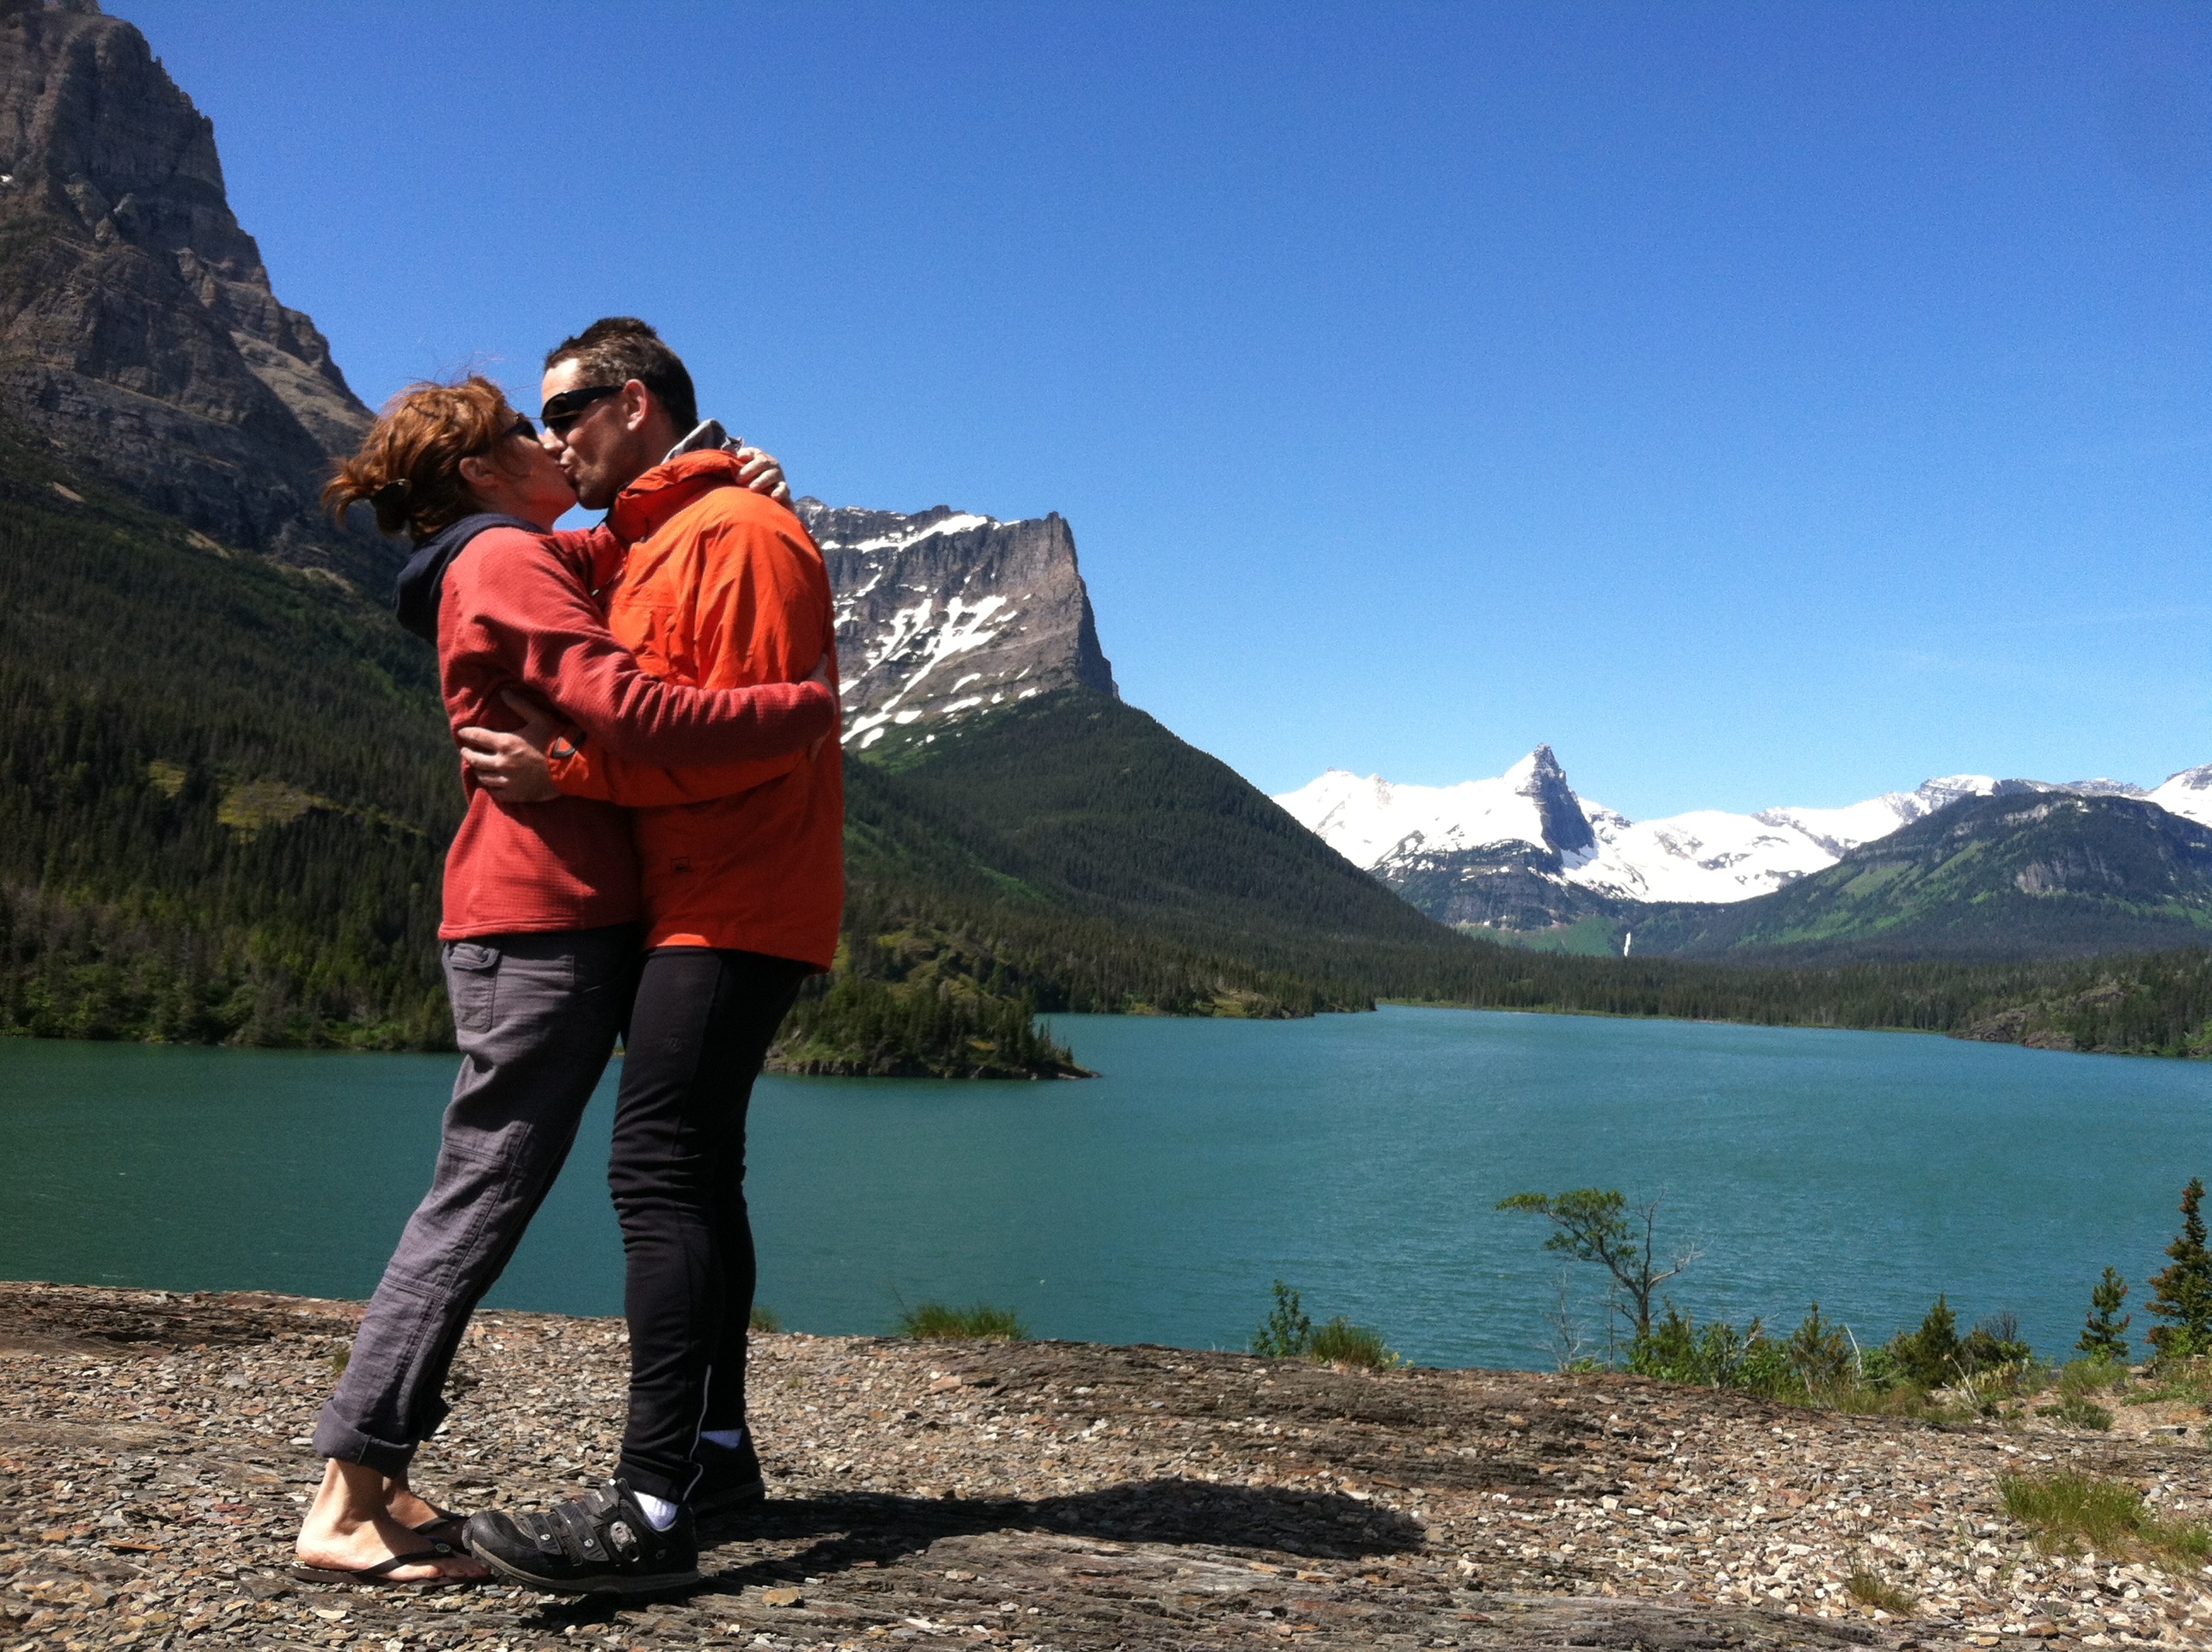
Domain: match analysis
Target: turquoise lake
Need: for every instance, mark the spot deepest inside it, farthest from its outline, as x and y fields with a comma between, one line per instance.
x=1357, y=1157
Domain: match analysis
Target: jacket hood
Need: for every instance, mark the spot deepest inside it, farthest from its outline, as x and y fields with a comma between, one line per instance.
x=423, y=579
x=667, y=488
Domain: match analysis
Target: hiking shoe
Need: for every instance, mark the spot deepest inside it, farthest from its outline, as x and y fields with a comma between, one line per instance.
x=729, y=1478
x=601, y=1543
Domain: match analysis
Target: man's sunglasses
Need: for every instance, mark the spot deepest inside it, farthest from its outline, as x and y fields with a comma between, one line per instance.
x=563, y=410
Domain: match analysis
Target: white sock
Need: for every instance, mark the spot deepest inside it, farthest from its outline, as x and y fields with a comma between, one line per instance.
x=661, y=1512
x=728, y=1438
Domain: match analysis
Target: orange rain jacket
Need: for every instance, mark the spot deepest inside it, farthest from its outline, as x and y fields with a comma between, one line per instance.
x=719, y=588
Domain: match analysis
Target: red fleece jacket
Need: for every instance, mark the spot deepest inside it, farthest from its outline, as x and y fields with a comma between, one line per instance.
x=517, y=612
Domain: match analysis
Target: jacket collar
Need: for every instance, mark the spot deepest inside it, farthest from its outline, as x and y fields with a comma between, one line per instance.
x=641, y=508
x=423, y=582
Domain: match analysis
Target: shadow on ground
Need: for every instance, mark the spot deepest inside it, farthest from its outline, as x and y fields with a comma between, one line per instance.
x=878, y=1530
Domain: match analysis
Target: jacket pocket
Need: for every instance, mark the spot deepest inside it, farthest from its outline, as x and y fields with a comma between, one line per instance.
x=472, y=983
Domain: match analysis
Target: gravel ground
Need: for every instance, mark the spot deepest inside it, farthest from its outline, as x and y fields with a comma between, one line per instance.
x=154, y=1459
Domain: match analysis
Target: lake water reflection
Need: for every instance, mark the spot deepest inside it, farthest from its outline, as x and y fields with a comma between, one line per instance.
x=1357, y=1156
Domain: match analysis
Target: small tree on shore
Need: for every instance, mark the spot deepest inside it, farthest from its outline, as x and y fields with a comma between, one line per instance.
x=1932, y=1356
x=2182, y=1293
x=1599, y=1225
x=1288, y=1330
x=2105, y=1336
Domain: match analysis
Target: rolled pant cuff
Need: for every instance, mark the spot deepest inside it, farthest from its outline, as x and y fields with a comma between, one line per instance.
x=335, y=1437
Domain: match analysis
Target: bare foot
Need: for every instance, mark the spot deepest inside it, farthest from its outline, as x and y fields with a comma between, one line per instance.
x=401, y=1503
x=347, y=1529
x=372, y=1545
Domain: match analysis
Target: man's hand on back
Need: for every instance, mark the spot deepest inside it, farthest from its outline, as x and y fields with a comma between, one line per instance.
x=512, y=767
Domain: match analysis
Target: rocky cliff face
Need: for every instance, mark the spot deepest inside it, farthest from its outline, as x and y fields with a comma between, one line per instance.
x=138, y=332
x=945, y=614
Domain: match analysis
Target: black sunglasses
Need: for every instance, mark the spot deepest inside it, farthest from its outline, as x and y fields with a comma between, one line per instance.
x=522, y=427
x=564, y=410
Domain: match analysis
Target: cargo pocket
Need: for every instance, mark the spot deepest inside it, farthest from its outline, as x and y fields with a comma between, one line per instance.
x=472, y=982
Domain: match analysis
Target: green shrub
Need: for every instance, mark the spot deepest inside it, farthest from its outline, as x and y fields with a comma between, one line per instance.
x=1716, y=1355
x=1928, y=1357
x=1286, y=1333
x=765, y=1319
x=1289, y=1332
x=2079, y=1378
x=1995, y=1344
x=2078, y=1412
x=1339, y=1343
x=2065, y=1511
x=933, y=1321
x=1821, y=1353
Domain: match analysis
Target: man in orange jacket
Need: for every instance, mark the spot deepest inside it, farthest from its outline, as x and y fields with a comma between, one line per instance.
x=711, y=585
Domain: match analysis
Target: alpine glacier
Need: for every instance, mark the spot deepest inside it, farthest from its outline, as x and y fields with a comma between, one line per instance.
x=1708, y=854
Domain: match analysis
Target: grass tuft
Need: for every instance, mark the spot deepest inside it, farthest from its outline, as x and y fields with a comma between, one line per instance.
x=934, y=1321
x=2066, y=1511
x=1869, y=1590
x=1339, y=1343
x=2077, y=1410
x=764, y=1320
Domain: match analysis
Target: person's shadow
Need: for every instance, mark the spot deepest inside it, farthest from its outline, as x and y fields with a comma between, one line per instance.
x=880, y=1528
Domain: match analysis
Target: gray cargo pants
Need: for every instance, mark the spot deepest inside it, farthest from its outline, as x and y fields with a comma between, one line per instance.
x=535, y=1017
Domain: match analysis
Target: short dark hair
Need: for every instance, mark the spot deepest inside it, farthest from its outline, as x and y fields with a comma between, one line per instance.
x=616, y=348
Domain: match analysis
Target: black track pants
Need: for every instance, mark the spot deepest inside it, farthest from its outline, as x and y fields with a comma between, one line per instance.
x=700, y=1028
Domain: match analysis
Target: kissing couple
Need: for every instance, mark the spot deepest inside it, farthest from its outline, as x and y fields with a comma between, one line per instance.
x=647, y=715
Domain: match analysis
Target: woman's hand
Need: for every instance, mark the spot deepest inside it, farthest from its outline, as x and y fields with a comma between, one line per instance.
x=762, y=472
x=512, y=767
x=821, y=674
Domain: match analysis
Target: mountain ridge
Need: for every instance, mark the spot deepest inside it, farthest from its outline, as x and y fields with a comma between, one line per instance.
x=1472, y=854
x=139, y=334
x=945, y=614
x=1999, y=879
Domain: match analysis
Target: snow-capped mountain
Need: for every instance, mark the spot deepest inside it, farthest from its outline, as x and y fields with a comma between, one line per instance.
x=2188, y=793
x=1467, y=852
x=1371, y=821
x=946, y=614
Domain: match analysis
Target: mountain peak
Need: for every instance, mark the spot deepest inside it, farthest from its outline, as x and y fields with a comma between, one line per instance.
x=138, y=330
x=1564, y=827
x=1452, y=844
x=945, y=615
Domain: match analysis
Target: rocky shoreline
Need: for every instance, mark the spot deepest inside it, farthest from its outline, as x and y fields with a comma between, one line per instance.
x=154, y=1459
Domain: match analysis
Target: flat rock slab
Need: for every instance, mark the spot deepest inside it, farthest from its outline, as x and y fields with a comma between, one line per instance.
x=1045, y=1495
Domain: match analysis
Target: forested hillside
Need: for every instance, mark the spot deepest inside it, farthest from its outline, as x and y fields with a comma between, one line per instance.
x=225, y=786
x=225, y=791
x=2038, y=875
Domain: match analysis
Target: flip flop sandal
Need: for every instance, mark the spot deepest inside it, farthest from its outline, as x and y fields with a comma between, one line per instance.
x=445, y=1528
x=382, y=1570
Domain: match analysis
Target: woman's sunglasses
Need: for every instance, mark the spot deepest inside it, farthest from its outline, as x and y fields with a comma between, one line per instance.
x=563, y=410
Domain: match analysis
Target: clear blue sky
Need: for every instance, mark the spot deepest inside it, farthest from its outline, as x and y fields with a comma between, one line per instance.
x=1763, y=404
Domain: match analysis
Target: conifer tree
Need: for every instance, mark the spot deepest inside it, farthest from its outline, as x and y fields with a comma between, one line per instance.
x=2105, y=1336
x=1930, y=1356
x=2183, y=1292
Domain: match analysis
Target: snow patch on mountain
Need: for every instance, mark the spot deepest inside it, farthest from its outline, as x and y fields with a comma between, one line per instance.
x=1371, y=821
x=944, y=615
x=2188, y=794
x=1707, y=854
